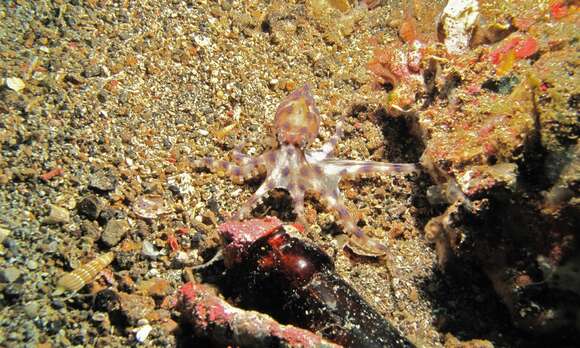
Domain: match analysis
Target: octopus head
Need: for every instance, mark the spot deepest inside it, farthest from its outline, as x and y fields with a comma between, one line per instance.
x=297, y=119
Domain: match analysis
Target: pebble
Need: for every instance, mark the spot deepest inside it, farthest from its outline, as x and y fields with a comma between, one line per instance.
x=9, y=275
x=149, y=250
x=141, y=333
x=90, y=207
x=91, y=229
x=13, y=292
x=15, y=84
x=32, y=265
x=108, y=214
x=135, y=307
x=92, y=71
x=159, y=288
x=3, y=234
x=102, y=181
x=57, y=215
x=169, y=327
x=114, y=232
x=180, y=260
x=99, y=316
x=31, y=309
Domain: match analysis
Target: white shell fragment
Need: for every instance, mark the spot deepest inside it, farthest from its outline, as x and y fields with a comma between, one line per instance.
x=149, y=250
x=15, y=84
x=141, y=333
x=457, y=24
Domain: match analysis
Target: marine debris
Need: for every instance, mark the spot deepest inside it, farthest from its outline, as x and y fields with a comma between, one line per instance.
x=224, y=324
x=274, y=267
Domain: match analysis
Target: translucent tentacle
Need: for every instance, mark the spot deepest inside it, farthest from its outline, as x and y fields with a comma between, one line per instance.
x=240, y=157
x=360, y=243
x=297, y=191
x=237, y=172
x=353, y=167
x=328, y=147
x=247, y=168
x=251, y=203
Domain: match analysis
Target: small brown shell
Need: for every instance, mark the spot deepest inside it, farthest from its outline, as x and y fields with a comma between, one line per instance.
x=78, y=278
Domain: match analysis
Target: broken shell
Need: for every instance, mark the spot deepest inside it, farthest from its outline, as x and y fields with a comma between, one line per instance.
x=141, y=333
x=150, y=206
x=15, y=84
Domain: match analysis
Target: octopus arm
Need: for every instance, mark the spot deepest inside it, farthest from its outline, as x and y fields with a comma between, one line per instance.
x=328, y=147
x=355, y=168
x=251, y=203
x=248, y=165
x=241, y=158
x=359, y=242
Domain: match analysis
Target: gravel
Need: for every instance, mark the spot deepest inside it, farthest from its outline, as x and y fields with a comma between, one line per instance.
x=121, y=94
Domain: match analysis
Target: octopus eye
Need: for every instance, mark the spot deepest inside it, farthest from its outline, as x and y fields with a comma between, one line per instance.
x=297, y=119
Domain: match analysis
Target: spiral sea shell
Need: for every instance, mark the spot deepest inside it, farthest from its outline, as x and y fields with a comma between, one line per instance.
x=78, y=278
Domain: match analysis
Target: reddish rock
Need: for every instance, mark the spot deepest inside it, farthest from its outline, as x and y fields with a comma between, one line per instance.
x=135, y=307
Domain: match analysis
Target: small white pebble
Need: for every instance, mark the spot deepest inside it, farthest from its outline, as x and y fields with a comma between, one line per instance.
x=143, y=332
x=44, y=49
x=15, y=84
x=181, y=257
x=202, y=41
x=153, y=272
x=149, y=250
x=203, y=132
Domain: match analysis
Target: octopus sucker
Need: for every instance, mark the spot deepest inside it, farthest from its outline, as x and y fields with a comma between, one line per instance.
x=298, y=170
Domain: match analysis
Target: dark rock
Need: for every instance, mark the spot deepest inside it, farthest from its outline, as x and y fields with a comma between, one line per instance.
x=13, y=292
x=107, y=301
x=114, y=232
x=109, y=214
x=126, y=259
x=90, y=207
x=504, y=85
x=54, y=326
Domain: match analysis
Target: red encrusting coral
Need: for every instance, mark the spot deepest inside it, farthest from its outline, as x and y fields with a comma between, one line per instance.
x=224, y=324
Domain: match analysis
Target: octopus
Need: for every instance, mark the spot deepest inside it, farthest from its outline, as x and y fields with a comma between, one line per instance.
x=291, y=166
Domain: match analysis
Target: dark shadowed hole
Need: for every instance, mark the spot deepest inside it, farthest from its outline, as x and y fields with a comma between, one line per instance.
x=387, y=86
x=266, y=26
x=402, y=143
x=279, y=203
